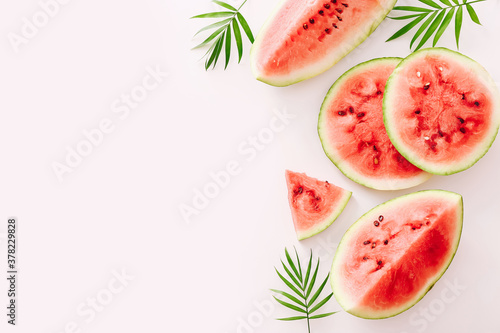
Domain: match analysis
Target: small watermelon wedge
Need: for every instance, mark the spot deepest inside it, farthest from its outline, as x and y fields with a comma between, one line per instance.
x=314, y=204
x=395, y=253
x=441, y=110
x=302, y=39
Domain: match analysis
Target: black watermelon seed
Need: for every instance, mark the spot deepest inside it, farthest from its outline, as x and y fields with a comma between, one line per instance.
x=461, y=120
x=441, y=134
x=386, y=242
x=311, y=20
x=462, y=130
x=301, y=189
x=333, y=1
x=427, y=86
x=351, y=109
x=341, y=113
x=345, y=5
x=339, y=10
x=339, y=18
x=376, y=223
x=365, y=258
x=321, y=12
x=366, y=242
x=463, y=96
x=476, y=103
x=379, y=92
x=328, y=31
x=326, y=5
x=335, y=26
x=417, y=112
x=375, y=148
x=381, y=218
x=379, y=262
x=305, y=26
x=373, y=245
x=361, y=115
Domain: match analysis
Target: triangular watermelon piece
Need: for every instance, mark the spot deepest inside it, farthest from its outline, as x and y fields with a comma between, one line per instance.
x=315, y=204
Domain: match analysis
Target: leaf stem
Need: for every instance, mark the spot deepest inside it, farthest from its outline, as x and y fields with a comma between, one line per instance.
x=247, y=0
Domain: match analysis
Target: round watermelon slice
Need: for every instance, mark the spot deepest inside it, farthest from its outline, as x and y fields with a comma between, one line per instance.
x=352, y=132
x=302, y=39
x=314, y=204
x=441, y=110
x=394, y=254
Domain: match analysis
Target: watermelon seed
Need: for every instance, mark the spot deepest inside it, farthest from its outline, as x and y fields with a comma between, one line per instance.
x=426, y=138
x=376, y=223
x=366, y=242
x=345, y=5
x=463, y=96
x=375, y=148
x=375, y=161
x=373, y=245
x=333, y=1
x=418, y=74
x=379, y=262
x=427, y=85
x=381, y=218
x=351, y=109
x=305, y=26
x=386, y=242
x=339, y=10
x=461, y=120
x=328, y=31
x=365, y=258
x=335, y=26
x=339, y=18
x=379, y=92
x=462, y=130
x=301, y=189
x=321, y=12
x=441, y=69
x=311, y=20
x=417, y=112
x=361, y=115
x=341, y=113
x=441, y=134
x=476, y=103
x=326, y=5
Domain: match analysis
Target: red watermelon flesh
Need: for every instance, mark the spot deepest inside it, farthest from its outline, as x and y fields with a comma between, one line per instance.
x=303, y=38
x=314, y=204
x=441, y=110
x=352, y=131
x=394, y=254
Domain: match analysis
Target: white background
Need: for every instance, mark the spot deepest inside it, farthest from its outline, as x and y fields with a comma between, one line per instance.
x=118, y=211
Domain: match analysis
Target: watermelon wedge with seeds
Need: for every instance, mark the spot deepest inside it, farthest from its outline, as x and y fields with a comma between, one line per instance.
x=303, y=38
x=352, y=132
x=314, y=204
x=395, y=253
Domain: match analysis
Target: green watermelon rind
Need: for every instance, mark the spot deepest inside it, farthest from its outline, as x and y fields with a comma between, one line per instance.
x=431, y=284
x=283, y=82
x=384, y=184
x=327, y=221
x=412, y=157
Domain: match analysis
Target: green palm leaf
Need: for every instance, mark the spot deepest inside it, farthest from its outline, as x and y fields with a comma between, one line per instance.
x=290, y=306
x=458, y=24
x=432, y=28
x=407, y=27
x=443, y=26
x=472, y=14
x=323, y=315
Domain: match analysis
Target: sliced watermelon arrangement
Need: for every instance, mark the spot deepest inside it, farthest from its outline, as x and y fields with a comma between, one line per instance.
x=314, y=204
x=302, y=39
x=441, y=110
x=393, y=255
x=352, y=132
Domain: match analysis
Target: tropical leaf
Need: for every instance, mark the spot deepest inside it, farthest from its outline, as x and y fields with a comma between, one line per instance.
x=304, y=304
x=438, y=20
x=222, y=36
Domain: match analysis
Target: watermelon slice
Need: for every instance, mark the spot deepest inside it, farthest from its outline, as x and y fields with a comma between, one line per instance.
x=302, y=39
x=314, y=204
x=441, y=110
x=352, y=132
x=393, y=255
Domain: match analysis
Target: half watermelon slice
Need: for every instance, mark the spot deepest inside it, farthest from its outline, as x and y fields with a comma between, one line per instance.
x=314, y=204
x=394, y=254
x=352, y=132
x=441, y=110
x=302, y=39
